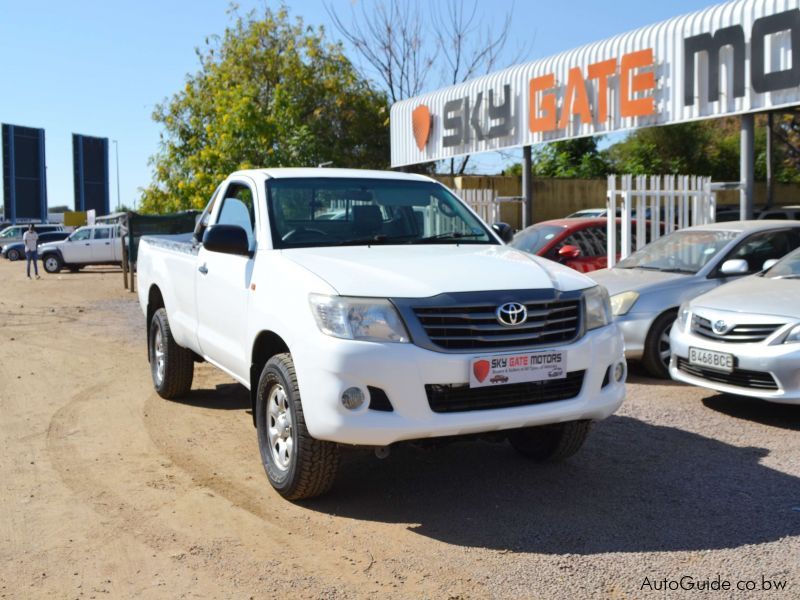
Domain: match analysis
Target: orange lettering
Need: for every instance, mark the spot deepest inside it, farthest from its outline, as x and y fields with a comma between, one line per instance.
x=635, y=83
x=576, y=102
x=547, y=121
x=602, y=71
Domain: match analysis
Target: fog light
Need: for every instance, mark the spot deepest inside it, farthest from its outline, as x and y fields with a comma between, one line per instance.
x=352, y=398
x=619, y=372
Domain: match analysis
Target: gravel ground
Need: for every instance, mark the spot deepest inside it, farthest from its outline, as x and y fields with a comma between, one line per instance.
x=110, y=491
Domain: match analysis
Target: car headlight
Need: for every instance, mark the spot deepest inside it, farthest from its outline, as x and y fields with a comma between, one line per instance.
x=598, y=311
x=622, y=303
x=368, y=319
x=683, y=316
x=793, y=336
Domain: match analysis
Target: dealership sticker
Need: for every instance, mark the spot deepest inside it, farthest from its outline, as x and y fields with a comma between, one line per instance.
x=517, y=368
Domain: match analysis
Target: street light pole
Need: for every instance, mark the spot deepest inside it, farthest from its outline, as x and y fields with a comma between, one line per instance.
x=116, y=153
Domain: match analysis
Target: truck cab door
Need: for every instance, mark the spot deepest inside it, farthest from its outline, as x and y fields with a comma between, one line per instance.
x=102, y=245
x=223, y=285
x=78, y=247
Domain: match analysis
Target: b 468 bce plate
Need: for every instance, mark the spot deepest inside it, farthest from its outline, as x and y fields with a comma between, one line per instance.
x=720, y=361
x=517, y=368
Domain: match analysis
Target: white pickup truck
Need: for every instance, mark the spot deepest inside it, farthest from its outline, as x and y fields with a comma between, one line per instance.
x=366, y=308
x=92, y=245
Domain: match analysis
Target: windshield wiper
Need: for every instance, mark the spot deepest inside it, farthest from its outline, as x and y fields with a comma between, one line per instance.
x=450, y=235
x=372, y=240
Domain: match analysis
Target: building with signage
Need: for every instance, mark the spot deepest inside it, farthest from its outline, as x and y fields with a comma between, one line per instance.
x=737, y=58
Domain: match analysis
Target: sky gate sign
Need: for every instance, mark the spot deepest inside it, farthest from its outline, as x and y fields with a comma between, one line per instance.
x=729, y=59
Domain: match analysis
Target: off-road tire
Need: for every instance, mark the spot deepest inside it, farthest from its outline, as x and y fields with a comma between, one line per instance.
x=313, y=463
x=14, y=255
x=178, y=362
x=52, y=263
x=654, y=345
x=550, y=443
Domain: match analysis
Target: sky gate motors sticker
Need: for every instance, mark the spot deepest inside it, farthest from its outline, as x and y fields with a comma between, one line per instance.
x=517, y=368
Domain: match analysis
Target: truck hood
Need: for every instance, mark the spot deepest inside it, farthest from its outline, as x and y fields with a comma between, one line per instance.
x=618, y=280
x=755, y=295
x=421, y=271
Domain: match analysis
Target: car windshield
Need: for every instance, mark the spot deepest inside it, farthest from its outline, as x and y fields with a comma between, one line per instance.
x=535, y=238
x=311, y=212
x=679, y=252
x=786, y=268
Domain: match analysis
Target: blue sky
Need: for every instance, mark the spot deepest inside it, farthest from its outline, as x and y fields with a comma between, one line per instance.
x=99, y=67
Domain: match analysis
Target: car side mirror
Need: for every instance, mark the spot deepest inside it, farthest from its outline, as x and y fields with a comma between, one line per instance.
x=768, y=264
x=569, y=251
x=228, y=239
x=504, y=231
x=734, y=266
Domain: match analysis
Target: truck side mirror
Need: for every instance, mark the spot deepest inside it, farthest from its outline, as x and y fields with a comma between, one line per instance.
x=734, y=266
x=504, y=231
x=228, y=239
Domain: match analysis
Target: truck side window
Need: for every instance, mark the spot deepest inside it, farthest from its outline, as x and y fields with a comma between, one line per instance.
x=237, y=209
x=102, y=234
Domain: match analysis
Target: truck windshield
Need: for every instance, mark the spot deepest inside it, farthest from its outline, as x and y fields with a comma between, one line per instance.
x=310, y=212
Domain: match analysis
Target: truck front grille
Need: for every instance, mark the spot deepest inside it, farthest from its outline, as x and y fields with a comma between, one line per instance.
x=476, y=327
x=739, y=377
x=454, y=397
x=740, y=334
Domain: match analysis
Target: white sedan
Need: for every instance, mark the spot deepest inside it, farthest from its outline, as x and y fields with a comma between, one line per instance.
x=744, y=338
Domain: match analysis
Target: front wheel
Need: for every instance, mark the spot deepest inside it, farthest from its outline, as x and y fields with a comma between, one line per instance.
x=297, y=465
x=171, y=366
x=52, y=263
x=550, y=443
x=14, y=255
x=655, y=357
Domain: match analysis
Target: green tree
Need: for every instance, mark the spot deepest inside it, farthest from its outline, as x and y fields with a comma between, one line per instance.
x=573, y=159
x=270, y=92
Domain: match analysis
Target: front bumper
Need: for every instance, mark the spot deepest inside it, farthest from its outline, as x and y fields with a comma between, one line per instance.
x=779, y=361
x=327, y=366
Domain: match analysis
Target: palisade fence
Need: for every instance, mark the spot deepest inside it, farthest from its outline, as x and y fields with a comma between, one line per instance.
x=488, y=204
x=660, y=203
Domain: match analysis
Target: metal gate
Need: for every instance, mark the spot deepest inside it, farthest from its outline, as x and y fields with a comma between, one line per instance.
x=649, y=206
x=487, y=204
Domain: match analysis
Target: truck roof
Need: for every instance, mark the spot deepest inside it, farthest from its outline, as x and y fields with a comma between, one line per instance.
x=330, y=173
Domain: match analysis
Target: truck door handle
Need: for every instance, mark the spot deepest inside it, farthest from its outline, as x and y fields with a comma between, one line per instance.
x=87, y=244
x=203, y=269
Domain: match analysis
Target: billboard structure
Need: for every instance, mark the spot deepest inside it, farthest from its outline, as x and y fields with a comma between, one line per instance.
x=90, y=170
x=24, y=178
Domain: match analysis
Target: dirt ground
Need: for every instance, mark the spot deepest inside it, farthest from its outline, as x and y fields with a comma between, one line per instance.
x=109, y=491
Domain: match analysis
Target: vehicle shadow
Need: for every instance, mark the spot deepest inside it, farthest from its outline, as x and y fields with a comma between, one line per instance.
x=224, y=396
x=634, y=487
x=638, y=374
x=784, y=416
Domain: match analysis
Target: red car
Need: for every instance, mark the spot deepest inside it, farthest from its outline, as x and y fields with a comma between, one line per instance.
x=577, y=243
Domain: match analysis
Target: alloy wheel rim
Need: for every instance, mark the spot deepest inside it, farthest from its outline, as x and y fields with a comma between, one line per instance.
x=664, y=350
x=279, y=427
x=158, y=351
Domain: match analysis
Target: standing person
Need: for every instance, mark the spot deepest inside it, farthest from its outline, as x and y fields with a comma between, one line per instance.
x=31, y=241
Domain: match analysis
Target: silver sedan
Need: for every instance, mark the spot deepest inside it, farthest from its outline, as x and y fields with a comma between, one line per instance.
x=648, y=287
x=744, y=338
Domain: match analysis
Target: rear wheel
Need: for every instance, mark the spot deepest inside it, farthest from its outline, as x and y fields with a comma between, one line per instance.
x=14, y=254
x=171, y=366
x=297, y=465
x=550, y=443
x=655, y=357
x=52, y=263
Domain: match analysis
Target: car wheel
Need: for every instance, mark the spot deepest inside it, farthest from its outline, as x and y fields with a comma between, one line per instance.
x=171, y=366
x=297, y=465
x=655, y=357
x=550, y=443
x=52, y=263
x=13, y=255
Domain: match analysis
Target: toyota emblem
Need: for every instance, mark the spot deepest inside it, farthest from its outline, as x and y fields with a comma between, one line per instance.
x=511, y=314
x=720, y=327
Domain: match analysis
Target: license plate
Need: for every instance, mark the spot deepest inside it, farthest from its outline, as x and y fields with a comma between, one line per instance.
x=517, y=368
x=713, y=360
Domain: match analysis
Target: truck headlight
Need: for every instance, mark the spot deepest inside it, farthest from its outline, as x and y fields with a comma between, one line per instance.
x=793, y=336
x=622, y=303
x=683, y=316
x=368, y=319
x=598, y=311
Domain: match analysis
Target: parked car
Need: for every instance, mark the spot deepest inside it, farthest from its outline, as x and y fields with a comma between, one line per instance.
x=588, y=213
x=16, y=251
x=580, y=244
x=648, y=287
x=744, y=338
x=783, y=213
x=380, y=328
x=93, y=245
x=13, y=233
